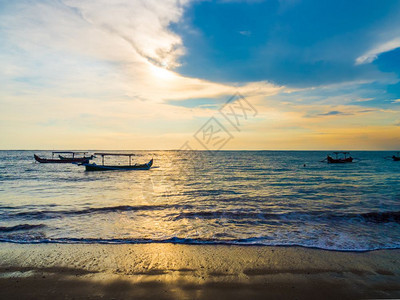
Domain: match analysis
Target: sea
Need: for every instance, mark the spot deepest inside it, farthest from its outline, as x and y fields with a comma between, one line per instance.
x=265, y=198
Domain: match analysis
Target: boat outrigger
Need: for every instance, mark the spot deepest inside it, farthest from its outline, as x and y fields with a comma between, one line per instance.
x=63, y=159
x=338, y=159
x=102, y=167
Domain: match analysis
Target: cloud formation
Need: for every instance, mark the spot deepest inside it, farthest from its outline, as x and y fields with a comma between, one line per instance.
x=373, y=54
x=103, y=74
x=142, y=24
x=93, y=68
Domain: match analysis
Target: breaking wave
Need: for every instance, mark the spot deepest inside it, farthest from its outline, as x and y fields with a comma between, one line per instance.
x=49, y=214
x=21, y=227
x=375, y=217
x=252, y=241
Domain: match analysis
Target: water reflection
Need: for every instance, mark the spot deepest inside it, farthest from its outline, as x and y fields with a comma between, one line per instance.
x=238, y=197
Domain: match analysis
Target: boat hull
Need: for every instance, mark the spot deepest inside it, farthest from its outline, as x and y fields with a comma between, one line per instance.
x=61, y=161
x=94, y=167
x=339, y=160
x=396, y=158
x=76, y=159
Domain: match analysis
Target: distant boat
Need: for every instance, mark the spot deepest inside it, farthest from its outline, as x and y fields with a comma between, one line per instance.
x=396, y=158
x=102, y=167
x=63, y=159
x=338, y=160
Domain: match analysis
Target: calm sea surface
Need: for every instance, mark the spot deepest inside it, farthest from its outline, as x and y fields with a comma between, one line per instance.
x=228, y=197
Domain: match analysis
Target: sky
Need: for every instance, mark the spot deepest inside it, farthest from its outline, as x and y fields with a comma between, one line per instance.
x=158, y=74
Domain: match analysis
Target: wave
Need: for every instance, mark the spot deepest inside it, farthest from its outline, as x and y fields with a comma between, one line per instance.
x=30, y=206
x=50, y=214
x=225, y=214
x=374, y=217
x=253, y=241
x=21, y=227
x=186, y=211
x=207, y=193
x=382, y=217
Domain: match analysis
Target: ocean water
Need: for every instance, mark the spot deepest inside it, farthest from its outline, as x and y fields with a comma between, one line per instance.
x=196, y=197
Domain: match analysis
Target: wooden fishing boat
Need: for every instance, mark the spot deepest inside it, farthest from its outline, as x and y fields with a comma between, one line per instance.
x=64, y=160
x=102, y=167
x=338, y=160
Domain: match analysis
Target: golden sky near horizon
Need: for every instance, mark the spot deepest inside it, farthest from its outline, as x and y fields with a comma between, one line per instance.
x=106, y=75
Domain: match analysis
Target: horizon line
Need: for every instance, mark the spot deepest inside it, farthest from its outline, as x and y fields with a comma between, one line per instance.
x=199, y=150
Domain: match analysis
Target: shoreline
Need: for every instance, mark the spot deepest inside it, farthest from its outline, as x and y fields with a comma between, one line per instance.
x=177, y=271
x=184, y=242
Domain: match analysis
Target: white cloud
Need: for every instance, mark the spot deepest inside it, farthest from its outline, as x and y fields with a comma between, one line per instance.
x=97, y=68
x=245, y=32
x=373, y=54
x=124, y=47
x=143, y=24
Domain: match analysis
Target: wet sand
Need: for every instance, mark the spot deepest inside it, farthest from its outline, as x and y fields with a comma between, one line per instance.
x=168, y=271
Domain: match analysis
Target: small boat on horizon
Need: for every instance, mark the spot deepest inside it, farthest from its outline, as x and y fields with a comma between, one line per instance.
x=102, y=167
x=396, y=158
x=337, y=159
x=64, y=159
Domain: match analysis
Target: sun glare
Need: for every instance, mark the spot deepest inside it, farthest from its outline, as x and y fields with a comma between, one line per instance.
x=161, y=73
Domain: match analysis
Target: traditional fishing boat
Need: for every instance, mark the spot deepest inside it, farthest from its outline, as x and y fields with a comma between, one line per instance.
x=338, y=160
x=396, y=158
x=66, y=158
x=63, y=159
x=102, y=167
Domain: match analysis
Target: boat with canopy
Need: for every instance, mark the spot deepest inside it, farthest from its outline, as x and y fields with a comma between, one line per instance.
x=72, y=158
x=130, y=166
x=345, y=158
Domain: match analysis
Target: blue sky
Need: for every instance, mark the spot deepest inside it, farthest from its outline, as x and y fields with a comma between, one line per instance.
x=148, y=74
x=294, y=43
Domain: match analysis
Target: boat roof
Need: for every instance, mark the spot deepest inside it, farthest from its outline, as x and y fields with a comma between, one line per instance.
x=70, y=152
x=115, y=154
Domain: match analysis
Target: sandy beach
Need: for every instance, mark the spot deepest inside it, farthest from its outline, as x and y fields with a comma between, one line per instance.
x=168, y=271
x=194, y=149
